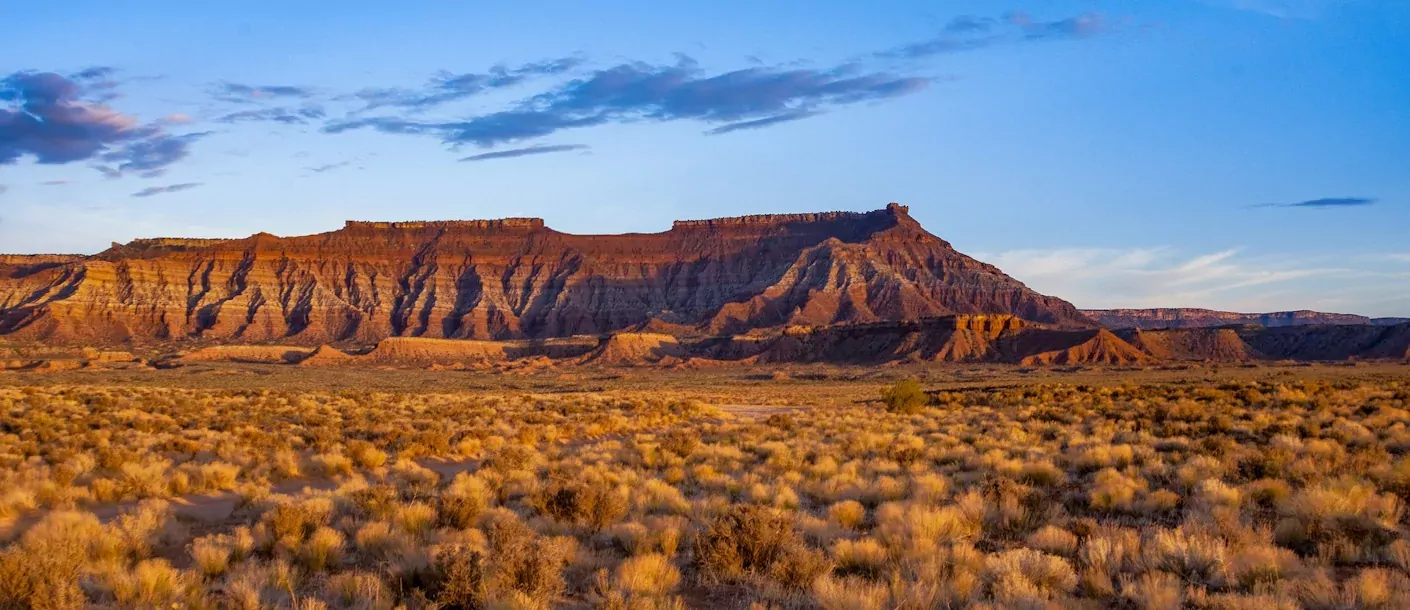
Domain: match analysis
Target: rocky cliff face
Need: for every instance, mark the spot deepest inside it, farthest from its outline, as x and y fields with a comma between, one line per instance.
x=1205, y=318
x=510, y=279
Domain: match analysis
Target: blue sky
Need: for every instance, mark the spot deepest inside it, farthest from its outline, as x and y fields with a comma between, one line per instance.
x=1237, y=154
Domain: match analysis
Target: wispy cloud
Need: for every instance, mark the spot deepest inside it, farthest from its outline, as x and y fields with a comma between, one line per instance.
x=318, y=169
x=639, y=92
x=1161, y=277
x=448, y=87
x=56, y=119
x=151, y=157
x=785, y=117
x=173, y=188
x=287, y=116
x=968, y=33
x=523, y=152
x=240, y=92
x=1281, y=9
x=1328, y=202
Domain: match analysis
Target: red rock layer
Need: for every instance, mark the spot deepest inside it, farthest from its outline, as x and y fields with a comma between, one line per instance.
x=511, y=279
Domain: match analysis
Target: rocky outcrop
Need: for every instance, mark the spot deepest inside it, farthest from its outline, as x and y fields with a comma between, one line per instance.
x=976, y=339
x=1198, y=344
x=271, y=354
x=1338, y=342
x=1074, y=348
x=626, y=349
x=510, y=279
x=1331, y=342
x=1204, y=318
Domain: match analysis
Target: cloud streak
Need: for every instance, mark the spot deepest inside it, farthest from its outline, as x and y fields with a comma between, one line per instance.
x=172, y=188
x=643, y=93
x=1324, y=203
x=242, y=93
x=318, y=169
x=969, y=33
x=524, y=152
x=1281, y=9
x=448, y=87
x=287, y=116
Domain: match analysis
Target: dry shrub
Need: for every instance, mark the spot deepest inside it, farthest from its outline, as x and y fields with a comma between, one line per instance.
x=358, y=590
x=865, y=557
x=905, y=397
x=212, y=554
x=295, y=520
x=1260, y=565
x=755, y=541
x=1372, y=589
x=365, y=455
x=595, y=505
x=1053, y=540
x=1343, y=518
x=333, y=464
x=144, y=480
x=651, y=576
x=152, y=583
x=378, y=540
x=1196, y=557
x=1025, y=577
x=916, y=530
x=464, y=500
x=1112, y=491
x=324, y=549
x=416, y=518
x=42, y=570
x=851, y=594
x=219, y=476
x=1154, y=591
x=518, y=567
x=847, y=513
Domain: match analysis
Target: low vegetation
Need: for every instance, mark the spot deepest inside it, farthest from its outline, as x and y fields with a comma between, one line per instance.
x=1237, y=495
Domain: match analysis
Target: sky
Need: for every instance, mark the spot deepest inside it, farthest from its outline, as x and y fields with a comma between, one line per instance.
x=1249, y=155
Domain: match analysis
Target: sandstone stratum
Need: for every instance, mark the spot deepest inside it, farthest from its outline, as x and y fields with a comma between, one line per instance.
x=509, y=279
x=844, y=287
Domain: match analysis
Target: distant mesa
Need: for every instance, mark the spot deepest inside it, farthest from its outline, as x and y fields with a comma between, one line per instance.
x=861, y=287
x=1203, y=318
x=510, y=279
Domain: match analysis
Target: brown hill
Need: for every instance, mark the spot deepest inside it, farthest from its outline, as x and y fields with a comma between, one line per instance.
x=1184, y=317
x=510, y=279
x=950, y=339
x=1205, y=344
x=636, y=348
x=1076, y=347
x=1253, y=342
x=327, y=355
x=1331, y=342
